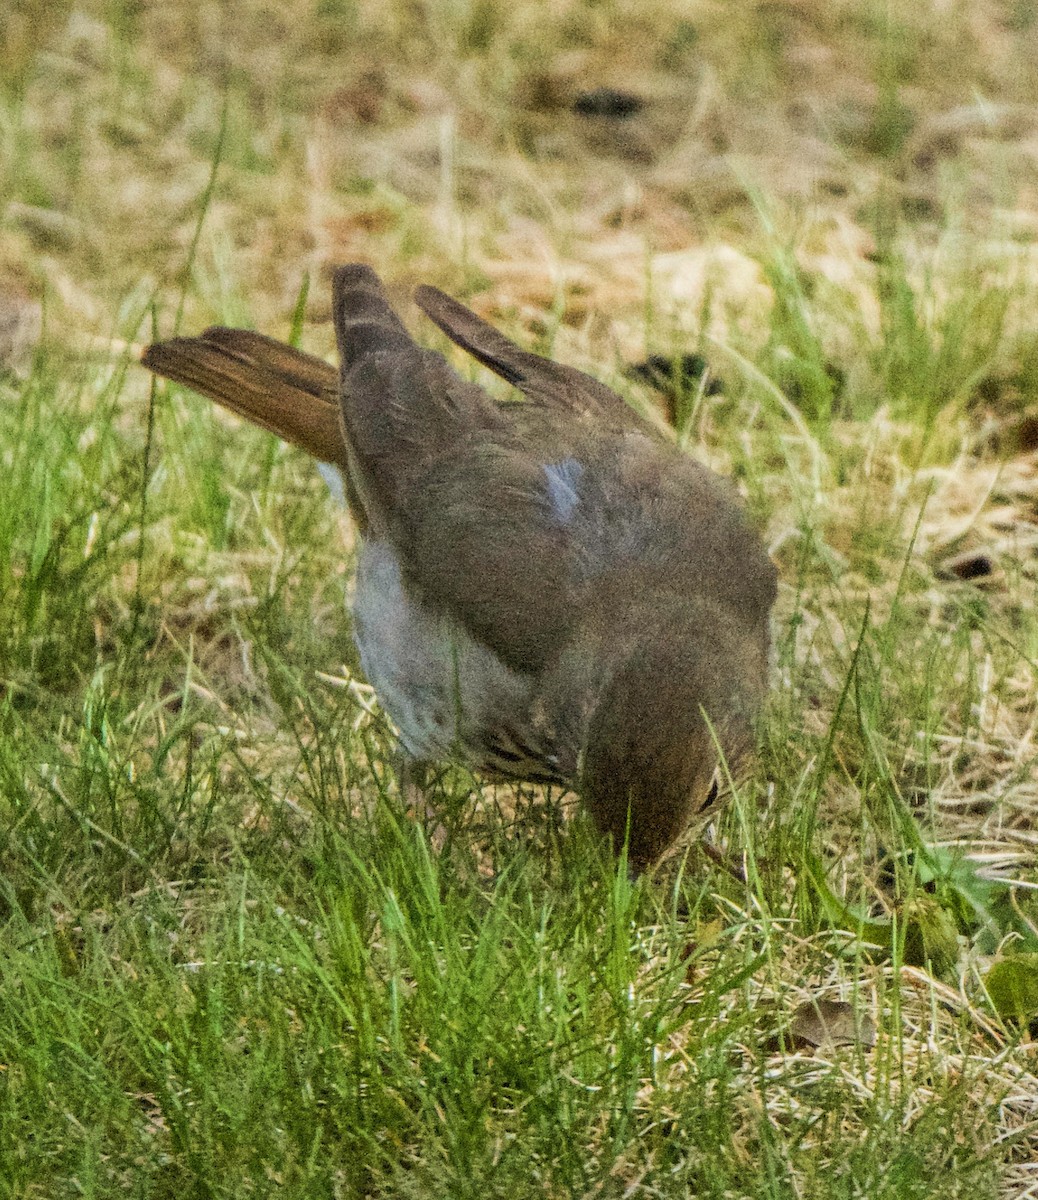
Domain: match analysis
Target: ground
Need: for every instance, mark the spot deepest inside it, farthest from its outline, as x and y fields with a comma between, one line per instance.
x=231, y=965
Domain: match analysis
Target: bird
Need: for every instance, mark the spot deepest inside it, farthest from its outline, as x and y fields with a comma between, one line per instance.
x=547, y=588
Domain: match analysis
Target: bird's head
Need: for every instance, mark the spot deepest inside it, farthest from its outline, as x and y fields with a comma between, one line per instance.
x=649, y=698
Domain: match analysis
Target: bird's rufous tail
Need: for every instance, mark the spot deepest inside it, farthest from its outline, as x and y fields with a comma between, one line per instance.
x=277, y=387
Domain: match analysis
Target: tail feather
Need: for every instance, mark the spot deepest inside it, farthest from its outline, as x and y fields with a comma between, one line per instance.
x=283, y=390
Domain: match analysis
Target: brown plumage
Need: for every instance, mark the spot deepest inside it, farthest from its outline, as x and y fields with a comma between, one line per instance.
x=546, y=590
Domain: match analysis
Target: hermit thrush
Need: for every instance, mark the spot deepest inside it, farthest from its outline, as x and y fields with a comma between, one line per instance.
x=547, y=589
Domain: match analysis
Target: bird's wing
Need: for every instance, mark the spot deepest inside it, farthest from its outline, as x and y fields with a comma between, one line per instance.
x=540, y=379
x=504, y=514
x=402, y=407
x=515, y=536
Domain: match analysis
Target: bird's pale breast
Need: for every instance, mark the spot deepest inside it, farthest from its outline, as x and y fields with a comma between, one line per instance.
x=449, y=696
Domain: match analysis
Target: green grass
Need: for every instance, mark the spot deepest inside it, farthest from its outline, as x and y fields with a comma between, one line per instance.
x=355, y=1019
x=231, y=964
